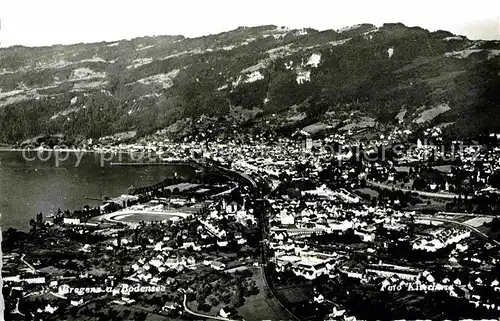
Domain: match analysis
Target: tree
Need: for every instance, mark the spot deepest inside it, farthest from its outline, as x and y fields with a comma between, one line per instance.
x=204, y=307
x=139, y=316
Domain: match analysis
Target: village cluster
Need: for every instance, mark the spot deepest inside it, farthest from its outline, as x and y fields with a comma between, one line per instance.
x=356, y=222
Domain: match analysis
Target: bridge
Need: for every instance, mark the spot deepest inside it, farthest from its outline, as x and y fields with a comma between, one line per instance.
x=31, y=267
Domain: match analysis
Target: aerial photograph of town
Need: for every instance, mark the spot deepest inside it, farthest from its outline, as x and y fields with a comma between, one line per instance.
x=266, y=160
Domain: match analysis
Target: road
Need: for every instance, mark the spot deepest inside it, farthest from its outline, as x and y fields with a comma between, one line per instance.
x=263, y=306
x=470, y=227
x=448, y=196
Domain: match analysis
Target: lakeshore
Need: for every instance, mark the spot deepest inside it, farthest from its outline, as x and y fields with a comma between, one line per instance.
x=136, y=250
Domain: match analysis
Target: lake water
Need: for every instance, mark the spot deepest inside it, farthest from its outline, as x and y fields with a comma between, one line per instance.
x=28, y=187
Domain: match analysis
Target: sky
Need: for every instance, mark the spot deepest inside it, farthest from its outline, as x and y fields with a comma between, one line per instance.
x=48, y=22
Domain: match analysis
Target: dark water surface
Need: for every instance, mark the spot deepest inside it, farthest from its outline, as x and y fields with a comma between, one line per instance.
x=28, y=187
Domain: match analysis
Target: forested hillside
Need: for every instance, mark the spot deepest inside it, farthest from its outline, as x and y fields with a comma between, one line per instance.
x=249, y=77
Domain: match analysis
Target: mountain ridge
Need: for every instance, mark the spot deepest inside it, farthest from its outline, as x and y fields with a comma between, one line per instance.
x=246, y=75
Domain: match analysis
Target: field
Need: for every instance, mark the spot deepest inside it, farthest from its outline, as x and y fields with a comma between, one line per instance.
x=364, y=122
x=314, y=128
x=478, y=221
x=432, y=113
x=295, y=294
x=147, y=217
x=262, y=306
x=182, y=186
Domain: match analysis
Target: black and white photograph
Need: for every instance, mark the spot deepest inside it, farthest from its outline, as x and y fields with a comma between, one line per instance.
x=262, y=160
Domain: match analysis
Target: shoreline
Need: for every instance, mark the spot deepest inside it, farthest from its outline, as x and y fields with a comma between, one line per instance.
x=190, y=163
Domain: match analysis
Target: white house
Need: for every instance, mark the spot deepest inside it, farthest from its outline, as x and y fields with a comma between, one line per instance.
x=76, y=303
x=71, y=221
x=286, y=219
x=223, y=313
